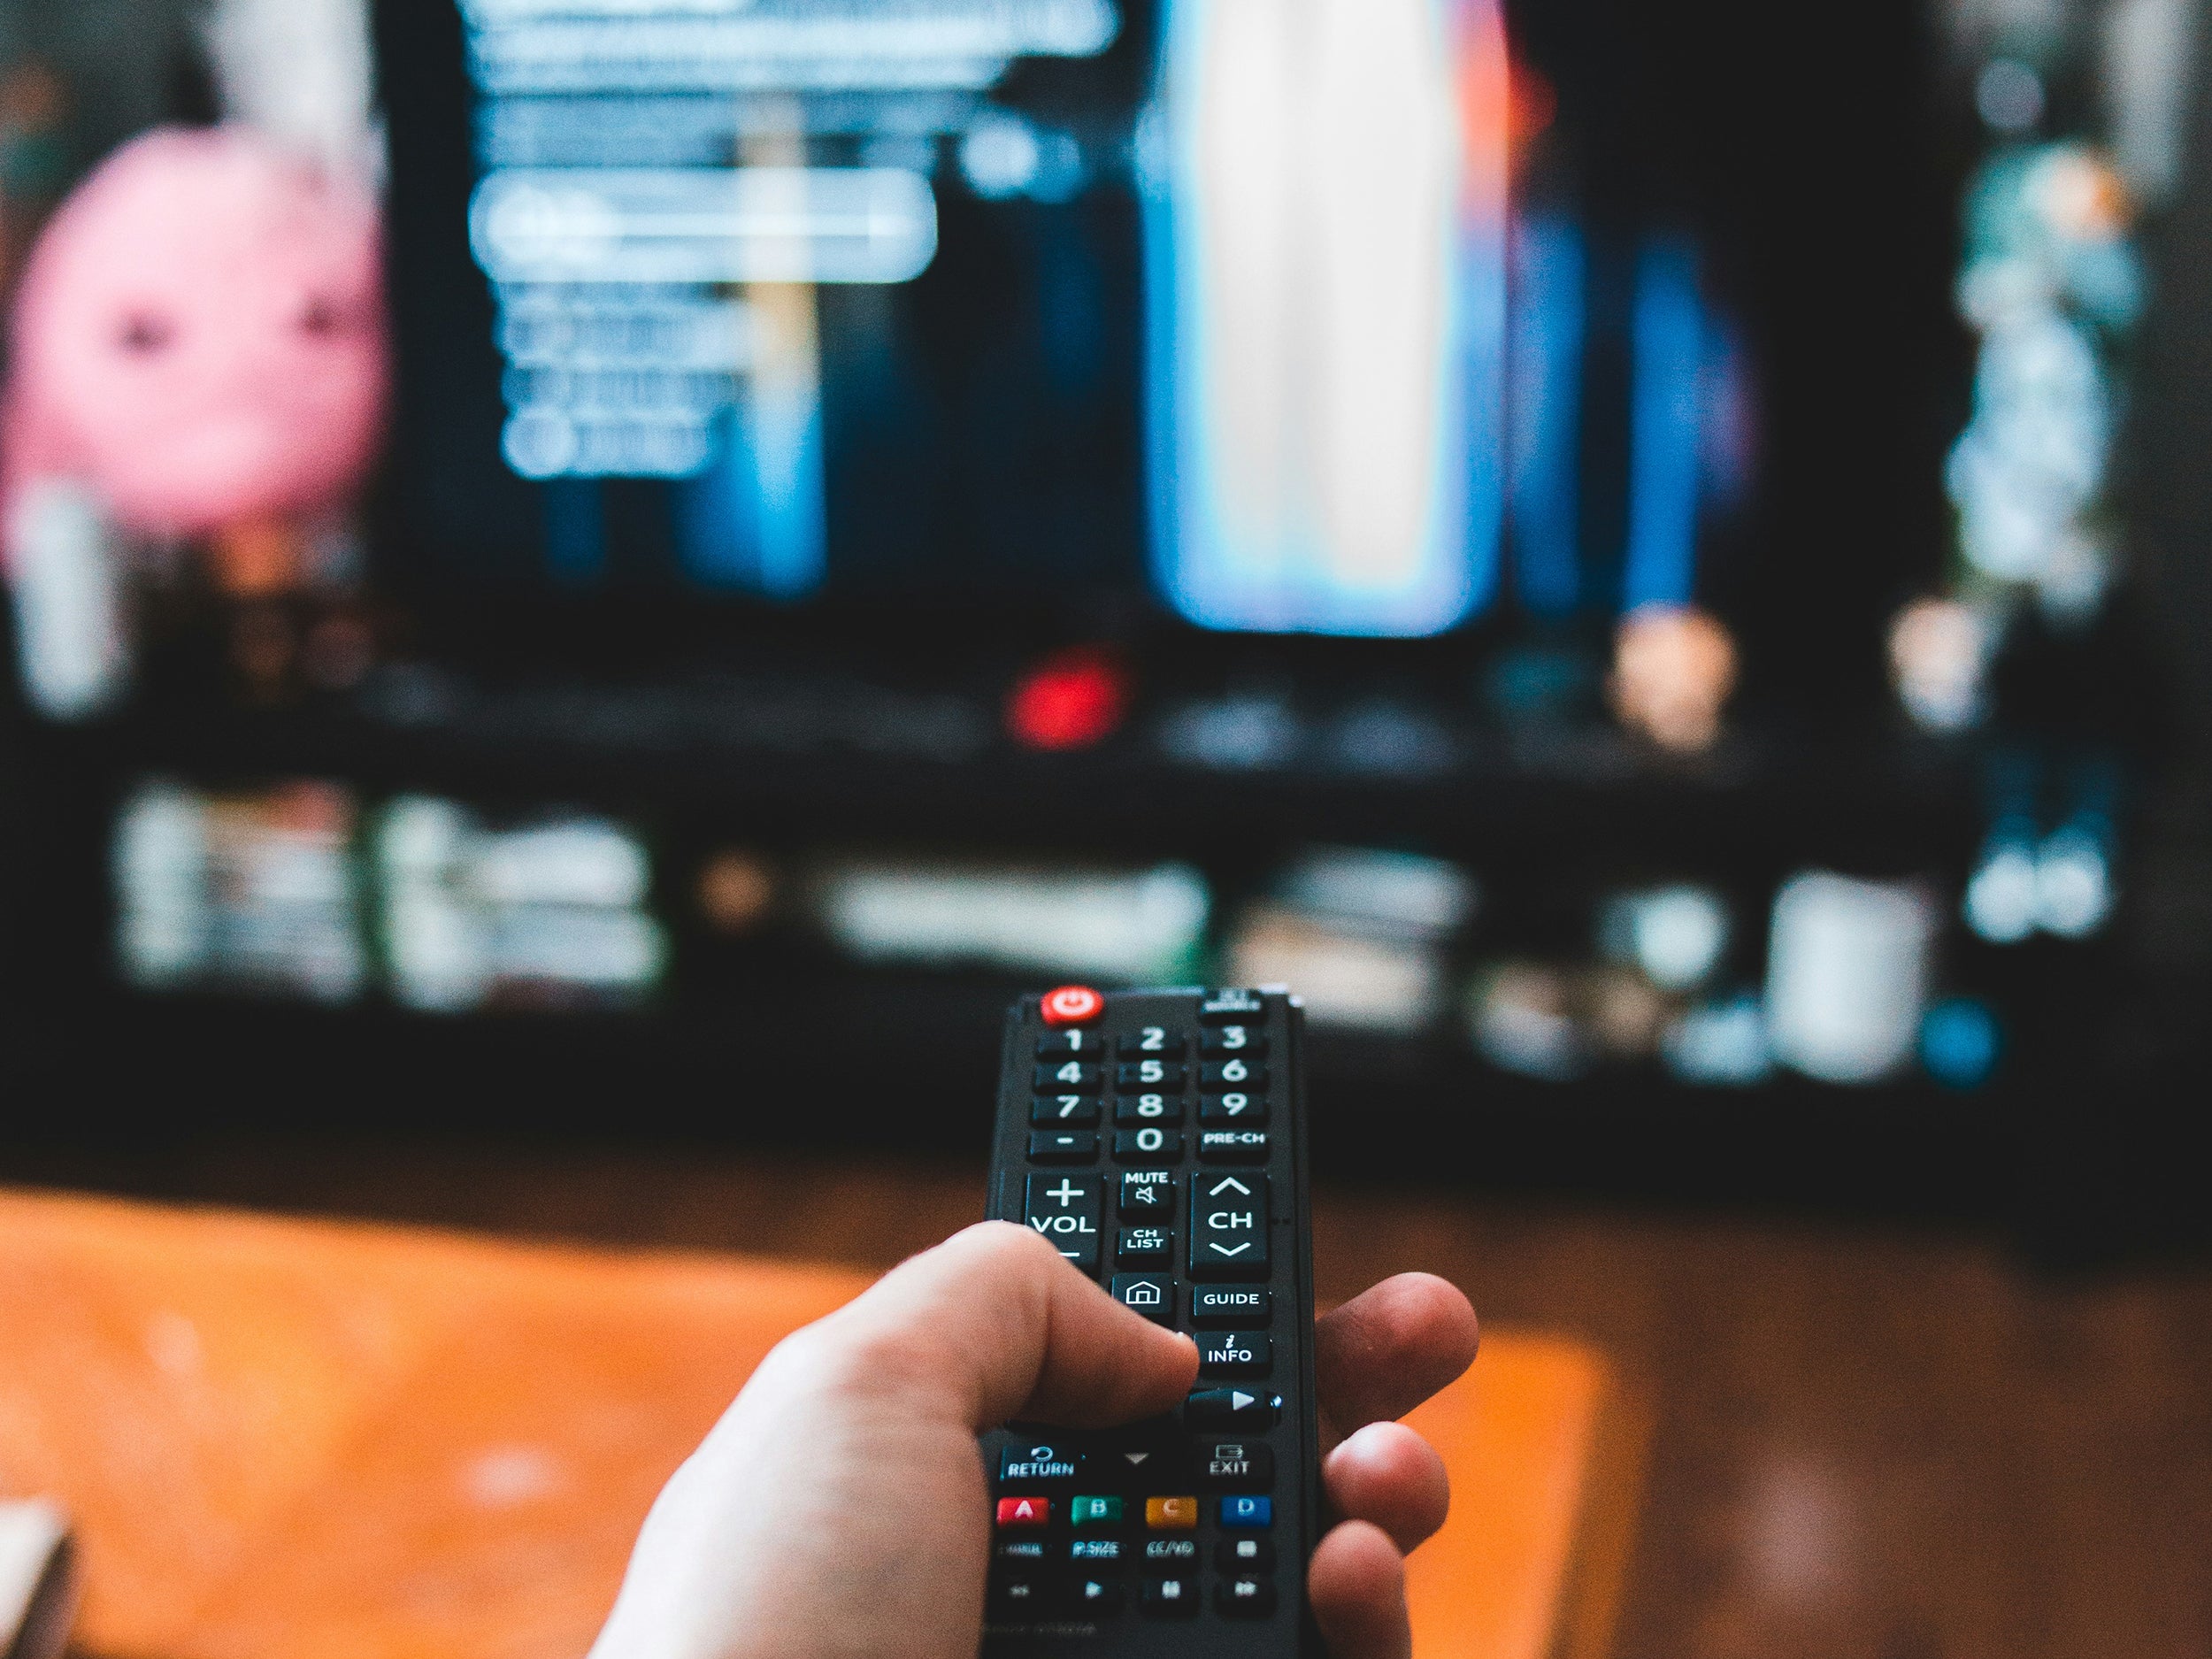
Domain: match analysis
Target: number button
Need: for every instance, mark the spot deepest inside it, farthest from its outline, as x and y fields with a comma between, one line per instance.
x=1076, y=1077
x=1073, y=1041
x=1235, y=1072
x=1132, y=1109
x=1148, y=1074
x=1221, y=1041
x=1067, y=1210
x=1070, y=1110
x=1234, y=1107
x=1156, y=1041
x=1148, y=1145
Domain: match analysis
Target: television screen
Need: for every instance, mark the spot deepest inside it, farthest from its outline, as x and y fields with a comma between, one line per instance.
x=1324, y=319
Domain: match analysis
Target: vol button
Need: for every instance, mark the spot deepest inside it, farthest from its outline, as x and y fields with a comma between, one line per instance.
x=1067, y=1210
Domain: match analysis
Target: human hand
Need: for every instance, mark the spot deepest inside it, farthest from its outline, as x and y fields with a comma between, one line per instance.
x=839, y=1509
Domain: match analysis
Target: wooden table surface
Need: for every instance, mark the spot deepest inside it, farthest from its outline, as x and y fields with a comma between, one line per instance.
x=1871, y=1444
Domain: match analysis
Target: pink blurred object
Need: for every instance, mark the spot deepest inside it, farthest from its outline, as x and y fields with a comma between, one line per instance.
x=198, y=339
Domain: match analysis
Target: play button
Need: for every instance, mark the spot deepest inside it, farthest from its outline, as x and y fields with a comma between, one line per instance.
x=1232, y=1408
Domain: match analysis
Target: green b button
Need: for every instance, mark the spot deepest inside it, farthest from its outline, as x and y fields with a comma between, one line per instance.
x=1095, y=1511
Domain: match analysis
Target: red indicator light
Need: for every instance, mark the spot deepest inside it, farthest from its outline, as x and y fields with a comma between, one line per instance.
x=1072, y=699
x=1073, y=1005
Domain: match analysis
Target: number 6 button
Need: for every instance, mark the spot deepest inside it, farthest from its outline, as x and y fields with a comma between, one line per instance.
x=1228, y=1225
x=1237, y=1073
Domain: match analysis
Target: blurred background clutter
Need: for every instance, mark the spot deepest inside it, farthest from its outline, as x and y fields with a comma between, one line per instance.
x=571, y=565
x=1654, y=568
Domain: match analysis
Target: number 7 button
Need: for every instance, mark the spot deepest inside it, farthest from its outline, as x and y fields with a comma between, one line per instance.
x=1228, y=1225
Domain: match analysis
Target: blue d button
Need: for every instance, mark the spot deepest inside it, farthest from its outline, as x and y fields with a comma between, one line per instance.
x=1247, y=1511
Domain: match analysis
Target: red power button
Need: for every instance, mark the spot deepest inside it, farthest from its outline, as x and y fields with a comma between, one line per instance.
x=1073, y=1005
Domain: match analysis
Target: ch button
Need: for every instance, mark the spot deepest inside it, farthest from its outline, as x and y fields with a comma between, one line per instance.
x=1228, y=1225
x=1066, y=1209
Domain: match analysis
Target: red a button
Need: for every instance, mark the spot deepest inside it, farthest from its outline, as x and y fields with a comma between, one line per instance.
x=1073, y=1005
x=1024, y=1511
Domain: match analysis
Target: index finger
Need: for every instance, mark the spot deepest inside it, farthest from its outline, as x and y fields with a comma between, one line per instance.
x=1389, y=1348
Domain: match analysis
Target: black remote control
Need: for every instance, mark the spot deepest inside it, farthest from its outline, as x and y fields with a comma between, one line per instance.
x=1157, y=1138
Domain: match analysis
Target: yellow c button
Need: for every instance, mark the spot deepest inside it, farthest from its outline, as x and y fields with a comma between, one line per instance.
x=1171, y=1515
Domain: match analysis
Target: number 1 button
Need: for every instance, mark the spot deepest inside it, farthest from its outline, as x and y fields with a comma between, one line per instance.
x=1228, y=1225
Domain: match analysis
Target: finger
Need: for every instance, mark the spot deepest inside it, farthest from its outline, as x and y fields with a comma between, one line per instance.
x=994, y=1324
x=1388, y=1475
x=1390, y=1347
x=1356, y=1587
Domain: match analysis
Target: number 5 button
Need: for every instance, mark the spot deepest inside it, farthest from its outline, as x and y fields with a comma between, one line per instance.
x=1228, y=1225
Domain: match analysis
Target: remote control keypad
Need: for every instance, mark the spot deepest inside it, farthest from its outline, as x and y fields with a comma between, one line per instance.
x=1171, y=1518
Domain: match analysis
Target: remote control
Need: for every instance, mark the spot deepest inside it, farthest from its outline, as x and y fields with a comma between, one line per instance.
x=1158, y=1139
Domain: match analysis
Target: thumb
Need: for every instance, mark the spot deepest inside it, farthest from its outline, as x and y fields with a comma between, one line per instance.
x=995, y=1322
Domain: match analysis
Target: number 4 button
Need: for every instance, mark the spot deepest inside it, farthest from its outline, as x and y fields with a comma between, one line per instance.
x=1228, y=1225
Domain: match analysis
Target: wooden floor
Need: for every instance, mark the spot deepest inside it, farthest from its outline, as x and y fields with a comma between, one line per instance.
x=1871, y=1445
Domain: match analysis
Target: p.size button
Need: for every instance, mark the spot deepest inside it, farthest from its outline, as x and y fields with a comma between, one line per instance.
x=1228, y=1225
x=1067, y=1209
